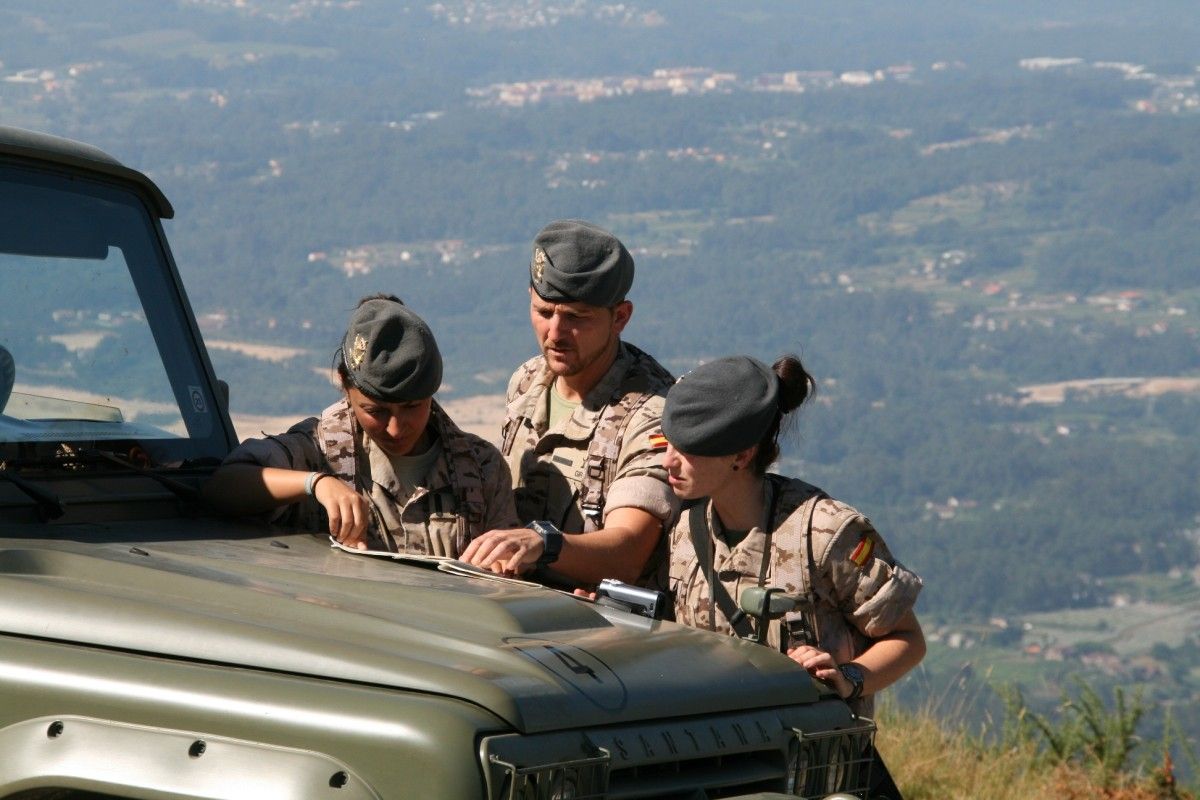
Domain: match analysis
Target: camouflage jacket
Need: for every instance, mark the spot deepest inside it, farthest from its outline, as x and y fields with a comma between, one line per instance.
x=468, y=490
x=603, y=457
x=858, y=590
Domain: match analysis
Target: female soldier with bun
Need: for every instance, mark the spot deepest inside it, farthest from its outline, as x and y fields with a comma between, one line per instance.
x=746, y=527
x=383, y=468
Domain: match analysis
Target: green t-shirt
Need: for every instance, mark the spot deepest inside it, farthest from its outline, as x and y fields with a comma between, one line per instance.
x=560, y=408
x=413, y=471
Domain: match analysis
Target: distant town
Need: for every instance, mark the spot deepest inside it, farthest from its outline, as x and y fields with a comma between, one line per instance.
x=1175, y=94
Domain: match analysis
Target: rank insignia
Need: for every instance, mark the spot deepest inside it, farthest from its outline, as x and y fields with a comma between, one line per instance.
x=658, y=441
x=358, y=352
x=862, y=553
x=539, y=264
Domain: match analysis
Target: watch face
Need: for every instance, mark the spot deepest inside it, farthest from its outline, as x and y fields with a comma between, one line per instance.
x=852, y=672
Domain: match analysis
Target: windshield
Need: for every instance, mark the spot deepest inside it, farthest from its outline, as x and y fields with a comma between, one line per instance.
x=94, y=345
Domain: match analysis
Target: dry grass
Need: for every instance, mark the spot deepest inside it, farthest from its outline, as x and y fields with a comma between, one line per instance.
x=930, y=762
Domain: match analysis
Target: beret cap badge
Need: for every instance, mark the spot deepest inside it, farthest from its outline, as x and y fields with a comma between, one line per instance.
x=578, y=262
x=539, y=264
x=358, y=352
x=389, y=352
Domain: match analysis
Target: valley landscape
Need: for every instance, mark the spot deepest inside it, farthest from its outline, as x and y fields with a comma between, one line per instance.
x=979, y=226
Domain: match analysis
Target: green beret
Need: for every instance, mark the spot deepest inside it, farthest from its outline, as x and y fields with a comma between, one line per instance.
x=390, y=353
x=576, y=262
x=722, y=407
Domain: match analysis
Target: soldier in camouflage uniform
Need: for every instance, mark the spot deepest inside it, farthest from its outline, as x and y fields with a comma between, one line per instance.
x=581, y=434
x=384, y=468
x=855, y=629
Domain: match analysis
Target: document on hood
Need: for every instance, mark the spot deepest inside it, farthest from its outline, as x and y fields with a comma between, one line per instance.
x=443, y=563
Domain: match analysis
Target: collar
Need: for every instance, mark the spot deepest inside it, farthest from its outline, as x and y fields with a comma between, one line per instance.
x=582, y=423
x=751, y=547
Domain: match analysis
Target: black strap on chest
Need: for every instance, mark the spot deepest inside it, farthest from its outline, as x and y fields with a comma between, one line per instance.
x=768, y=526
x=704, y=544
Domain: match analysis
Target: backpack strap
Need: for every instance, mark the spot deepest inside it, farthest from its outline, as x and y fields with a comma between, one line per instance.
x=512, y=418
x=793, y=535
x=603, y=450
x=466, y=477
x=701, y=535
x=605, y=445
x=702, y=542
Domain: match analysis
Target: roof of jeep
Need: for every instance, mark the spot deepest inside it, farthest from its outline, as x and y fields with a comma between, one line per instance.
x=75, y=156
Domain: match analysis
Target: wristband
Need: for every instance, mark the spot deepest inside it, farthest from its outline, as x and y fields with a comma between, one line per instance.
x=310, y=483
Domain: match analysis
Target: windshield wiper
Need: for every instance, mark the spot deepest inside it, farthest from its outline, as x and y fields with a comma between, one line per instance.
x=179, y=488
x=48, y=504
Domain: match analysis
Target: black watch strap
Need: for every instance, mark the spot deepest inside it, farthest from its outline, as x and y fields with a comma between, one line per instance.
x=552, y=540
x=853, y=673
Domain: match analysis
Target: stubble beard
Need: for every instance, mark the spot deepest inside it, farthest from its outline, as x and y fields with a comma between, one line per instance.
x=566, y=368
x=562, y=368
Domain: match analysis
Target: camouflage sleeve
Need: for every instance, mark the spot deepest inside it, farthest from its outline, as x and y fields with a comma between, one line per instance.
x=296, y=449
x=640, y=481
x=872, y=590
x=501, y=509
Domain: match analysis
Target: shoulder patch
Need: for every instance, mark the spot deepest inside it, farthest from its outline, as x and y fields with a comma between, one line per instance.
x=861, y=554
x=658, y=441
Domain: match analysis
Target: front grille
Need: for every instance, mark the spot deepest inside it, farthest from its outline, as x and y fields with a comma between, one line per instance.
x=833, y=761
x=802, y=750
x=577, y=779
x=718, y=776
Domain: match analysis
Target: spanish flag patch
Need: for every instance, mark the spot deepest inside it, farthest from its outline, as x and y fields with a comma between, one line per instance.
x=658, y=441
x=862, y=553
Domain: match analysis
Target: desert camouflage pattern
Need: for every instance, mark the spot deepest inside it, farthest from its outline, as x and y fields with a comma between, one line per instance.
x=854, y=603
x=600, y=458
x=469, y=488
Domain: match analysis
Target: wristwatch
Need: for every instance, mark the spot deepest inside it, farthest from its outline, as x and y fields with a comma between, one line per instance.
x=552, y=540
x=853, y=673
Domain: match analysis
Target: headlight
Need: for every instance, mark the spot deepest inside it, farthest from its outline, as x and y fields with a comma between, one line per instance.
x=577, y=779
x=831, y=761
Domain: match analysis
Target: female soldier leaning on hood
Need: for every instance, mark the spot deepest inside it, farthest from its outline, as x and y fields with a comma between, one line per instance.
x=746, y=527
x=385, y=467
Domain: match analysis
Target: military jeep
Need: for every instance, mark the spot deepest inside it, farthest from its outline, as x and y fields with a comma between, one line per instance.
x=151, y=650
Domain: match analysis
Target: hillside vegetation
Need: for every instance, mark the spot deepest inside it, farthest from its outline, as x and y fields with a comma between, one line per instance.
x=935, y=759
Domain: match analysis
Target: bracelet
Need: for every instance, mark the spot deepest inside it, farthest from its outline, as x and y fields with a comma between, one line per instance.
x=310, y=483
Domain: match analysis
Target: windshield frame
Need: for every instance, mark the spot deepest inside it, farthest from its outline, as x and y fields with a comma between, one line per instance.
x=159, y=289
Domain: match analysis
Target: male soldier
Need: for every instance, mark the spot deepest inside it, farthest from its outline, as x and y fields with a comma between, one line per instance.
x=582, y=431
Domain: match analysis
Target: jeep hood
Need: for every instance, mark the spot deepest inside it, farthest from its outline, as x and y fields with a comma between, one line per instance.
x=220, y=593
